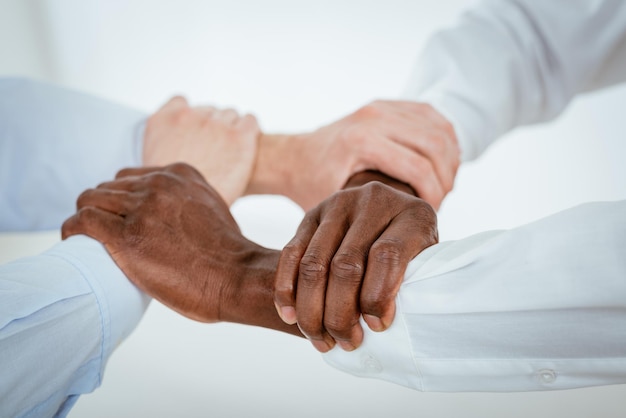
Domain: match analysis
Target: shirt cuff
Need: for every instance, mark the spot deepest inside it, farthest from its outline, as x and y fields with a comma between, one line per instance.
x=120, y=303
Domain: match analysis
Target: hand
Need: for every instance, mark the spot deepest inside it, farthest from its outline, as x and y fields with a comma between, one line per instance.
x=218, y=143
x=175, y=239
x=348, y=258
x=408, y=141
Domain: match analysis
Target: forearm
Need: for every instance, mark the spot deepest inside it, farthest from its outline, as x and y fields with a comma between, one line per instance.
x=250, y=298
x=273, y=170
x=538, y=307
x=63, y=313
x=365, y=177
x=54, y=144
x=276, y=168
x=511, y=63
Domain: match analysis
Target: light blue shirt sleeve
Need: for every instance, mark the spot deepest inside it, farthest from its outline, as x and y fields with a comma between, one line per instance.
x=54, y=144
x=62, y=313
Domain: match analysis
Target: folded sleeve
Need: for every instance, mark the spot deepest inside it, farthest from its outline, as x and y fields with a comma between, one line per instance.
x=538, y=307
x=517, y=62
x=55, y=143
x=62, y=313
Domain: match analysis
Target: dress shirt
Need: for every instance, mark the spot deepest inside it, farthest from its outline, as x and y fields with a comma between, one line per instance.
x=538, y=307
x=542, y=306
x=516, y=62
x=54, y=144
x=63, y=312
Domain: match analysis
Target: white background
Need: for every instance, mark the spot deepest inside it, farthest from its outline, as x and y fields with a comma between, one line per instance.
x=298, y=65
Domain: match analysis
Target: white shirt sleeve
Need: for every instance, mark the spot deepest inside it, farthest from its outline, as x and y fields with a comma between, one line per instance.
x=539, y=307
x=62, y=314
x=54, y=144
x=516, y=62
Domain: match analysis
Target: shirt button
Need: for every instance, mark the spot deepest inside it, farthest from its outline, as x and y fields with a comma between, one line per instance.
x=547, y=375
x=370, y=364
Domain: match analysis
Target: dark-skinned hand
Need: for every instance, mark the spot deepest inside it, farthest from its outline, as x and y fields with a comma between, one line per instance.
x=348, y=259
x=174, y=237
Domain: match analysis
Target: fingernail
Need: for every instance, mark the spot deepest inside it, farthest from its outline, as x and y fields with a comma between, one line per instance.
x=287, y=314
x=374, y=322
x=321, y=345
x=346, y=345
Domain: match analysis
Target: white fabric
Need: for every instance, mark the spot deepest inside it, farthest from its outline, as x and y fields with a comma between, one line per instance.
x=515, y=62
x=542, y=306
x=538, y=307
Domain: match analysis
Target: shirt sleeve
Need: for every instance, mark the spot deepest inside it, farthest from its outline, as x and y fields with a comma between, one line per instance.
x=62, y=313
x=517, y=62
x=538, y=307
x=54, y=144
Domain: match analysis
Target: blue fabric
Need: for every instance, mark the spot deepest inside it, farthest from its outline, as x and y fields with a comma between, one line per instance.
x=55, y=143
x=62, y=312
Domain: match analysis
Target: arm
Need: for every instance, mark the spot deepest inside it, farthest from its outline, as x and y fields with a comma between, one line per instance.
x=348, y=259
x=55, y=143
x=517, y=62
x=73, y=302
x=405, y=140
x=539, y=307
x=173, y=235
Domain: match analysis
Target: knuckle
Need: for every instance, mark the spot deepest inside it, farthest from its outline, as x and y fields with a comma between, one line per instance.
x=311, y=325
x=313, y=271
x=84, y=216
x=354, y=137
x=84, y=198
x=348, y=266
x=388, y=251
x=182, y=115
x=369, y=111
x=340, y=326
x=283, y=292
x=374, y=303
x=291, y=255
x=124, y=172
x=181, y=168
x=158, y=180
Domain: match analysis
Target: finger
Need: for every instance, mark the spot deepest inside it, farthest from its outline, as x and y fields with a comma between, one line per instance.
x=313, y=279
x=136, y=171
x=227, y=116
x=96, y=223
x=288, y=267
x=205, y=110
x=404, y=164
x=387, y=262
x=118, y=202
x=420, y=127
x=436, y=145
x=348, y=269
x=248, y=122
x=176, y=102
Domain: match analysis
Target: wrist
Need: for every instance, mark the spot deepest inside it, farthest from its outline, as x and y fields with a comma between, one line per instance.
x=365, y=177
x=273, y=172
x=249, y=297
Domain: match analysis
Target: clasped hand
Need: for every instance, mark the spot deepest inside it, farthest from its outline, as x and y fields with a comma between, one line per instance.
x=173, y=236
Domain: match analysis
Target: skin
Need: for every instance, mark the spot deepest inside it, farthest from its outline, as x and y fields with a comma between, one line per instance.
x=408, y=141
x=220, y=143
x=348, y=259
x=173, y=236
